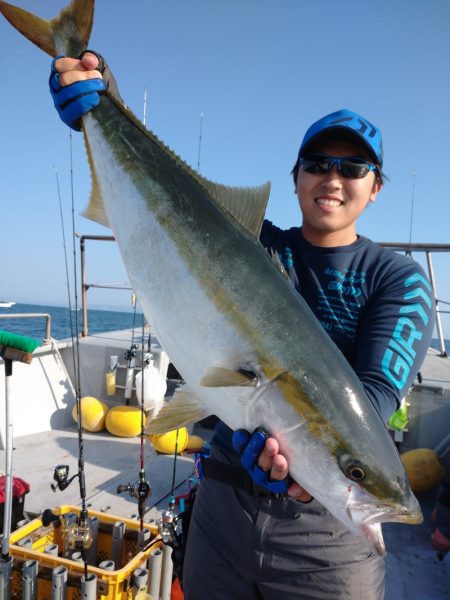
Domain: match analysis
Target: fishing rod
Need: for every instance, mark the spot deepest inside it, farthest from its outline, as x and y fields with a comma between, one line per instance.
x=412, y=211
x=199, y=142
x=78, y=536
x=141, y=488
x=130, y=357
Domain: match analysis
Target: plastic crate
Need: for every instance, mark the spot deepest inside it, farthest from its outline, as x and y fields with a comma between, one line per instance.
x=111, y=585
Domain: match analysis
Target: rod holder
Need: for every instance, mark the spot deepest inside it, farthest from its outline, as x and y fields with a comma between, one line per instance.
x=77, y=556
x=166, y=573
x=51, y=549
x=89, y=587
x=29, y=579
x=140, y=580
x=107, y=565
x=59, y=583
x=118, y=535
x=91, y=554
x=143, y=539
x=5, y=577
x=155, y=563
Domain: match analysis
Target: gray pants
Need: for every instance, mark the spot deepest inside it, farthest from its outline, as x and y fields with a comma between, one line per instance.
x=245, y=547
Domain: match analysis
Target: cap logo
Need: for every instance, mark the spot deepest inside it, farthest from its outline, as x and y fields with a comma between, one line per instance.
x=364, y=125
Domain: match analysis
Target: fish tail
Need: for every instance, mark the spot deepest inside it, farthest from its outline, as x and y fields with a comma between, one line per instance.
x=67, y=34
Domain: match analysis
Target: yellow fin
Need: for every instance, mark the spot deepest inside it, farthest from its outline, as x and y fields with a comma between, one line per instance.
x=183, y=409
x=67, y=34
x=220, y=377
x=246, y=204
x=95, y=210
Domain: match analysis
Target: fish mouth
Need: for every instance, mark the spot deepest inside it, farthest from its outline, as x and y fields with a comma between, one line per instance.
x=367, y=513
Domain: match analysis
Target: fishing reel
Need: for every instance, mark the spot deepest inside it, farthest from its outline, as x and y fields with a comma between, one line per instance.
x=167, y=525
x=61, y=476
x=130, y=354
x=139, y=489
x=78, y=536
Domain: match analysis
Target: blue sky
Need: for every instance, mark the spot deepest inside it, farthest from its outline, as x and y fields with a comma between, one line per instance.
x=260, y=71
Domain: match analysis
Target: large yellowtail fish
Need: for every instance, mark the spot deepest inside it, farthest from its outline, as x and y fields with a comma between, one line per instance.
x=248, y=346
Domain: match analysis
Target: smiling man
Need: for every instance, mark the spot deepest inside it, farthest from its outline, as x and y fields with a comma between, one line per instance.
x=276, y=542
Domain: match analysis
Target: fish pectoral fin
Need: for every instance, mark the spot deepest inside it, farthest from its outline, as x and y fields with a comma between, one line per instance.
x=221, y=377
x=183, y=409
x=246, y=204
x=276, y=374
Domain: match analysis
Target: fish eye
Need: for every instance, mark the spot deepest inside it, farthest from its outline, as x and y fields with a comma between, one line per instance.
x=355, y=472
x=352, y=468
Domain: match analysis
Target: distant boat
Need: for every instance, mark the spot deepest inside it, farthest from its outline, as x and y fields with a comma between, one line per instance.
x=4, y=304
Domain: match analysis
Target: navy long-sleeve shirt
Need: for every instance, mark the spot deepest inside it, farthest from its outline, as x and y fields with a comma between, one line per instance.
x=375, y=304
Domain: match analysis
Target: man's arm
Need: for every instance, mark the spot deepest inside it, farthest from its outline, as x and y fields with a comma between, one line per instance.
x=393, y=336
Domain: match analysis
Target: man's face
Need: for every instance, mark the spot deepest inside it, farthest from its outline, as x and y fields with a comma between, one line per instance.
x=330, y=203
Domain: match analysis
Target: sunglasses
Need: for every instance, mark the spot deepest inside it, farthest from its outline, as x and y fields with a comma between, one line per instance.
x=350, y=168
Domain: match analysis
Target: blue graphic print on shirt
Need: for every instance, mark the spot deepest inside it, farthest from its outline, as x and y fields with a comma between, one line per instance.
x=401, y=352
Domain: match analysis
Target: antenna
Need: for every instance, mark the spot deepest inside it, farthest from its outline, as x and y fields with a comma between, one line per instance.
x=199, y=143
x=412, y=207
x=145, y=106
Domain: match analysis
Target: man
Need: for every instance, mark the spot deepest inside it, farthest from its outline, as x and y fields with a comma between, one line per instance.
x=273, y=540
x=440, y=539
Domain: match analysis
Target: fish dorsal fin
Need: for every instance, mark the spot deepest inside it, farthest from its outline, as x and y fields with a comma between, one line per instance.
x=220, y=377
x=183, y=409
x=96, y=207
x=246, y=204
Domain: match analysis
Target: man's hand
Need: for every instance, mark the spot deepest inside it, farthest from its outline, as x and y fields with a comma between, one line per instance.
x=268, y=468
x=270, y=460
x=75, y=86
x=77, y=69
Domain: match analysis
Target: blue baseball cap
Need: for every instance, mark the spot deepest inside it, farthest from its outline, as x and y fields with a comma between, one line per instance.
x=348, y=122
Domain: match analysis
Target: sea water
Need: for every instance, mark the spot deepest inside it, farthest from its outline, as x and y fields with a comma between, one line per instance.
x=66, y=322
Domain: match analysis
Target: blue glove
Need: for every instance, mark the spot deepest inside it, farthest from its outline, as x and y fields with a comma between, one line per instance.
x=75, y=100
x=249, y=447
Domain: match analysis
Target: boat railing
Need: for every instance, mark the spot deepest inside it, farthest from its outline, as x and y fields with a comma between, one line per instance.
x=406, y=248
x=85, y=286
x=427, y=250
x=46, y=316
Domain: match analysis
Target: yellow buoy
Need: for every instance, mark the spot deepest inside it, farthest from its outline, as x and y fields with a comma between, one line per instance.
x=194, y=443
x=93, y=413
x=165, y=443
x=124, y=421
x=424, y=469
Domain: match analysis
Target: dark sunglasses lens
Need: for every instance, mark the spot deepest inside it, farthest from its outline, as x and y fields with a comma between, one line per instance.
x=354, y=169
x=316, y=165
x=348, y=167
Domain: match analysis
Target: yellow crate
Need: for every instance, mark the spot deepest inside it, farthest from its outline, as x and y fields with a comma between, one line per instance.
x=111, y=585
